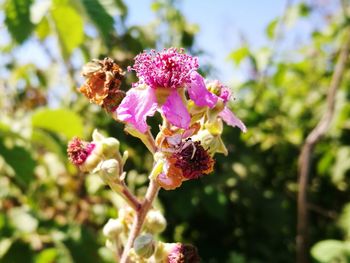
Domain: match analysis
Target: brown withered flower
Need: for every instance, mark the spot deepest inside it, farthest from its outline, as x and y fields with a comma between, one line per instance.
x=193, y=160
x=102, y=84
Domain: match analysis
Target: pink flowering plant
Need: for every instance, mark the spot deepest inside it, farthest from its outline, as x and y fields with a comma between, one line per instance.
x=192, y=110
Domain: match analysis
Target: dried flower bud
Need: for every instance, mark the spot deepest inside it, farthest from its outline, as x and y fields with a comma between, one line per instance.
x=103, y=80
x=83, y=154
x=113, y=228
x=144, y=245
x=155, y=222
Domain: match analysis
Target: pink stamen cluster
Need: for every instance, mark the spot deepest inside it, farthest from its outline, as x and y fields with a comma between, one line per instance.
x=167, y=69
x=79, y=150
x=183, y=253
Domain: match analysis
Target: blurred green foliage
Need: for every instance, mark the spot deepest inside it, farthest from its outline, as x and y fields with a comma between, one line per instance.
x=244, y=212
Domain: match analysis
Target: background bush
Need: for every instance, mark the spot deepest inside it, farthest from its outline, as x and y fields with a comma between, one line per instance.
x=245, y=211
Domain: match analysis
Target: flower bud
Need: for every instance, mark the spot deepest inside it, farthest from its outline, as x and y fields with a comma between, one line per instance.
x=109, y=170
x=87, y=155
x=83, y=154
x=217, y=88
x=213, y=143
x=110, y=145
x=126, y=215
x=144, y=245
x=113, y=228
x=111, y=245
x=155, y=222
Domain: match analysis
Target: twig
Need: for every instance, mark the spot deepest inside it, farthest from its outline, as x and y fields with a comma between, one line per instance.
x=320, y=210
x=304, y=161
x=139, y=219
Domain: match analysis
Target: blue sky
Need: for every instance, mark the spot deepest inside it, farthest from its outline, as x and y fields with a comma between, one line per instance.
x=220, y=24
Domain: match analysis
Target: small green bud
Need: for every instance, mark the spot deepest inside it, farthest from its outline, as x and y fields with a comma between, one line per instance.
x=144, y=245
x=113, y=228
x=214, y=112
x=111, y=245
x=109, y=169
x=213, y=143
x=155, y=222
x=110, y=145
x=97, y=136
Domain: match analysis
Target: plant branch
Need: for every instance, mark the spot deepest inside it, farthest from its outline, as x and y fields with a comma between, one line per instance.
x=120, y=188
x=139, y=219
x=304, y=161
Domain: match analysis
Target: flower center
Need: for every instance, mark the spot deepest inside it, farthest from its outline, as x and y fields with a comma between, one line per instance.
x=167, y=69
x=78, y=150
x=193, y=160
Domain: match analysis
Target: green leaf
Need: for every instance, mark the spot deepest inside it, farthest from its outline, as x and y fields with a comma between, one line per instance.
x=341, y=167
x=46, y=256
x=103, y=21
x=45, y=140
x=328, y=251
x=43, y=29
x=18, y=19
x=304, y=9
x=69, y=26
x=123, y=9
x=18, y=252
x=271, y=28
x=344, y=220
x=238, y=55
x=156, y=6
x=21, y=162
x=5, y=245
x=5, y=131
x=61, y=121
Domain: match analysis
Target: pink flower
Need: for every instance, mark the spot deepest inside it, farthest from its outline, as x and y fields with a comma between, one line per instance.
x=163, y=77
x=223, y=93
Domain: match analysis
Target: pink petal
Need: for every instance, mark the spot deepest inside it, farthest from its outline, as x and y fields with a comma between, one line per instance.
x=175, y=111
x=228, y=117
x=199, y=93
x=137, y=106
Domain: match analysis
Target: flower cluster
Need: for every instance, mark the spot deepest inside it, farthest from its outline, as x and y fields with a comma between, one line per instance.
x=193, y=111
x=164, y=79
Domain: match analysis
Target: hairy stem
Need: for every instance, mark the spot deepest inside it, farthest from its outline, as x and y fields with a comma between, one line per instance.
x=139, y=219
